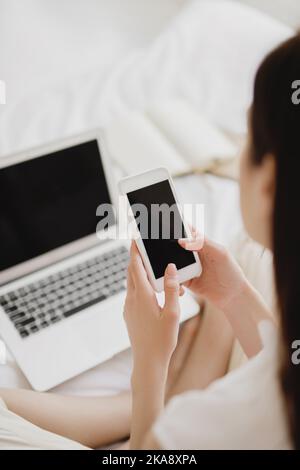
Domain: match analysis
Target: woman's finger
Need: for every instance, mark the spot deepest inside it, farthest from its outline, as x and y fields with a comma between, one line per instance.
x=171, y=287
x=195, y=243
x=181, y=291
x=137, y=269
x=195, y=233
x=191, y=244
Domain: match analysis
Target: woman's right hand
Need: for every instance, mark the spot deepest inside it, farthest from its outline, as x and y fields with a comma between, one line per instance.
x=222, y=280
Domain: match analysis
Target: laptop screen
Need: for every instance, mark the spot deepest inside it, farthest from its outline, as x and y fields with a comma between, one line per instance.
x=50, y=201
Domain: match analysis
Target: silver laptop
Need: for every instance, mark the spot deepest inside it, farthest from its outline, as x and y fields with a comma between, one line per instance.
x=62, y=288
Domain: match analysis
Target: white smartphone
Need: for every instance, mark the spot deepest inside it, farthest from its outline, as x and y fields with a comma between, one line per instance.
x=159, y=223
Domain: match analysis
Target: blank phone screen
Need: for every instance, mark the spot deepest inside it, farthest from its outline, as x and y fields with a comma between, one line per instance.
x=160, y=229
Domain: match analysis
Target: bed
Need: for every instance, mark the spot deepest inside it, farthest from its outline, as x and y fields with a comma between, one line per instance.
x=203, y=51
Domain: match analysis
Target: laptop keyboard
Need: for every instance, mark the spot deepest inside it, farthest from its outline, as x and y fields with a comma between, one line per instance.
x=54, y=298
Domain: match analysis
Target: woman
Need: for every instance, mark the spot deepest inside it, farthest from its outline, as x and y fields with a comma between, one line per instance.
x=257, y=406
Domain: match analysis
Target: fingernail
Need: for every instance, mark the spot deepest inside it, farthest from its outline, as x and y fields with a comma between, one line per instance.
x=172, y=270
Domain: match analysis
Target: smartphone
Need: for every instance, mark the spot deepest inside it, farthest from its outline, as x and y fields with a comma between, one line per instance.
x=158, y=219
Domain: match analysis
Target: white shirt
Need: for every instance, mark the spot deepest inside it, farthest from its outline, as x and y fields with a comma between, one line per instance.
x=243, y=410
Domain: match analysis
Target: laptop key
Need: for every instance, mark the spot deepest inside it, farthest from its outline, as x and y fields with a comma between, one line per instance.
x=23, y=333
x=83, y=306
x=55, y=319
x=27, y=321
x=34, y=328
x=16, y=316
x=12, y=308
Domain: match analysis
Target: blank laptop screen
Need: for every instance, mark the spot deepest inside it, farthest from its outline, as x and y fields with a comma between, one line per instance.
x=49, y=201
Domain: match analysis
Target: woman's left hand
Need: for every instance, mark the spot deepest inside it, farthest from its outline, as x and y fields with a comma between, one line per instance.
x=152, y=330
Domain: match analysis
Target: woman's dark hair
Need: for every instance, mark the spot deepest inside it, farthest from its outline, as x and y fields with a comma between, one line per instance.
x=275, y=128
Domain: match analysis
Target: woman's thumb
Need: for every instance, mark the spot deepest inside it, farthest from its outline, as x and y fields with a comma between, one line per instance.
x=171, y=287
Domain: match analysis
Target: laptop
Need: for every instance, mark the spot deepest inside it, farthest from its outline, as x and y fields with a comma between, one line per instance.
x=62, y=287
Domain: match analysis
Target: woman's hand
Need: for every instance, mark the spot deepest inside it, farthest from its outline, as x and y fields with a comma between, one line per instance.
x=222, y=280
x=152, y=330
x=223, y=283
x=153, y=333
